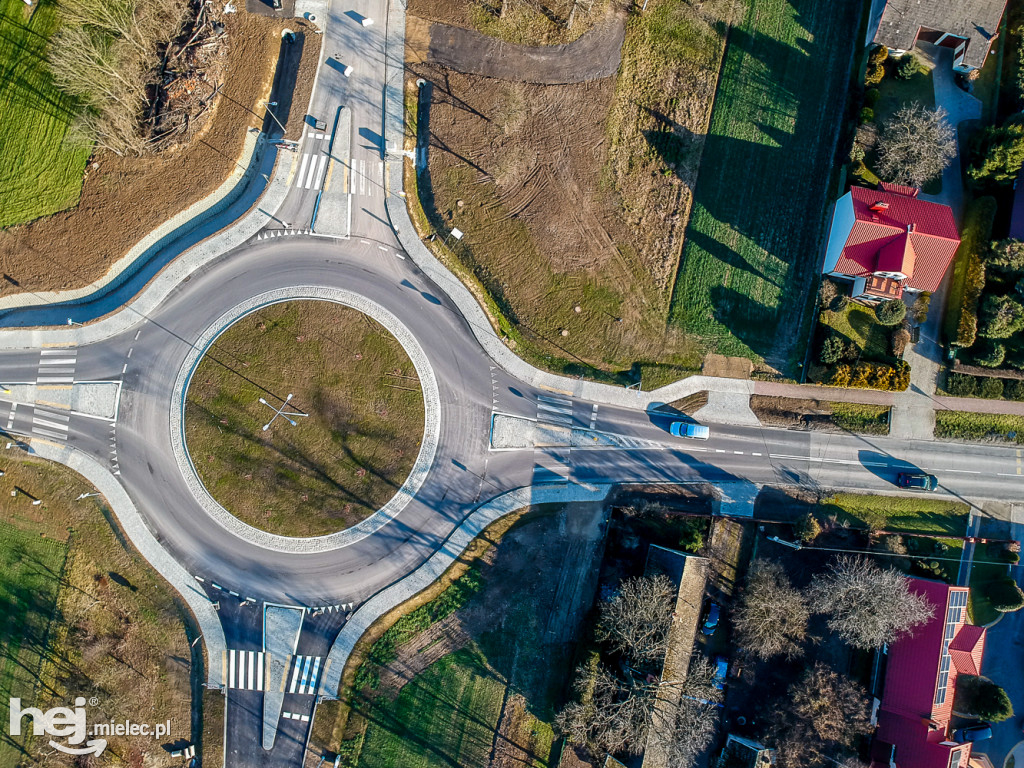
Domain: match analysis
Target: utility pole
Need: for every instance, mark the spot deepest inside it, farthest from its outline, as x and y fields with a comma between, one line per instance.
x=268, y=105
x=280, y=412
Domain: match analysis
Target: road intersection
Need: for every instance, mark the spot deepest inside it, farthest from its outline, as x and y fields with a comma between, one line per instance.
x=339, y=583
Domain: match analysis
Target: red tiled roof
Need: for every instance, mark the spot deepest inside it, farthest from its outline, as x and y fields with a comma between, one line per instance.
x=897, y=256
x=899, y=189
x=908, y=716
x=933, y=239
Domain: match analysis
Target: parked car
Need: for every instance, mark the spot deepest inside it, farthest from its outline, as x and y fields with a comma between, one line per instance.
x=977, y=732
x=712, y=613
x=917, y=481
x=722, y=672
x=686, y=429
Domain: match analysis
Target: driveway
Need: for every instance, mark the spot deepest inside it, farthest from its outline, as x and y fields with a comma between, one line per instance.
x=1004, y=648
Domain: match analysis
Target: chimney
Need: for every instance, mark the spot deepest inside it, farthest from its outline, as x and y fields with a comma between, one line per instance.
x=910, y=227
x=879, y=205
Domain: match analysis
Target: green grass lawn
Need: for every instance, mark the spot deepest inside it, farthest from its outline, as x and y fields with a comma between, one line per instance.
x=964, y=425
x=862, y=418
x=857, y=323
x=983, y=573
x=895, y=93
x=754, y=236
x=899, y=514
x=30, y=569
x=444, y=717
x=39, y=173
x=335, y=466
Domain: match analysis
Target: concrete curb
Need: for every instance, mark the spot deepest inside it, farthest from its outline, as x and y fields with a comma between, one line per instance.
x=394, y=505
x=148, y=546
x=474, y=524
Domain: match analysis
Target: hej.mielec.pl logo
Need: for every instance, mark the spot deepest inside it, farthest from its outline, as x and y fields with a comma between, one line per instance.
x=72, y=723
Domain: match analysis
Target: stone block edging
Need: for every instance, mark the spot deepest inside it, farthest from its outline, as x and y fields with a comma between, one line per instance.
x=394, y=505
x=427, y=573
x=146, y=543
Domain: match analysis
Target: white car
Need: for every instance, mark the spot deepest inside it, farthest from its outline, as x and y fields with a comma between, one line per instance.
x=693, y=431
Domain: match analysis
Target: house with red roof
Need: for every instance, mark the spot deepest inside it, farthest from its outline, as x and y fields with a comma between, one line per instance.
x=920, y=677
x=888, y=241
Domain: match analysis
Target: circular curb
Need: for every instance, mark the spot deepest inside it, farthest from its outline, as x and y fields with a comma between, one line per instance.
x=394, y=505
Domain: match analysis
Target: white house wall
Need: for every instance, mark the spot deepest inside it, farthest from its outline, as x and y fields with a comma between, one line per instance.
x=842, y=222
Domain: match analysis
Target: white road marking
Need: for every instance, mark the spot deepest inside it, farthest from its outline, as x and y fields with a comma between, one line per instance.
x=48, y=433
x=45, y=423
x=57, y=361
x=302, y=170
x=55, y=380
x=139, y=333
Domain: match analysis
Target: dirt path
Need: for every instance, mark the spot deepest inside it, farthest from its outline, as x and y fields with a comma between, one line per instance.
x=594, y=56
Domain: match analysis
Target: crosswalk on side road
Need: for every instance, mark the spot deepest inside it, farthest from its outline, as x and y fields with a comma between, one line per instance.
x=245, y=670
x=305, y=674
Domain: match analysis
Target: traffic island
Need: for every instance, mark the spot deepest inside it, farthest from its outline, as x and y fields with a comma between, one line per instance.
x=304, y=418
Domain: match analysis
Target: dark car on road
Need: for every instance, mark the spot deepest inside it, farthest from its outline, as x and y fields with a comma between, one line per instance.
x=712, y=613
x=917, y=481
x=977, y=732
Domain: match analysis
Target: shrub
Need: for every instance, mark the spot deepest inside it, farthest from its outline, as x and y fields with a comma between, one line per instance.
x=1001, y=316
x=891, y=312
x=867, y=115
x=878, y=55
x=907, y=67
x=1006, y=256
x=919, y=309
x=1009, y=556
x=991, y=354
x=961, y=320
x=857, y=154
x=831, y=350
x=899, y=340
x=991, y=388
x=871, y=97
x=827, y=294
x=875, y=74
x=872, y=376
x=1014, y=390
x=961, y=385
x=997, y=153
x=1015, y=355
x=1005, y=595
x=807, y=528
x=980, y=697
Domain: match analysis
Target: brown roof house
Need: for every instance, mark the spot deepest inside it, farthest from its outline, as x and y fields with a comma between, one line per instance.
x=966, y=26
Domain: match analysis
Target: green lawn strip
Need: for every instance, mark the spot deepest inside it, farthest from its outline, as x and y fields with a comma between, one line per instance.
x=332, y=468
x=898, y=514
x=968, y=277
x=753, y=239
x=863, y=418
x=895, y=93
x=445, y=716
x=40, y=173
x=858, y=324
x=30, y=570
x=983, y=574
x=965, y=425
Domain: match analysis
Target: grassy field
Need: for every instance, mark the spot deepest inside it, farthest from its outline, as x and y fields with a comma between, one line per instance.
x=895, y=92
x=85, y=616
x=862, y=418
x=473, y=677
x=964, y=425
x=39, y=174
x=858, y=324
x=336, y=466
x=898, y=514
x=755, y=231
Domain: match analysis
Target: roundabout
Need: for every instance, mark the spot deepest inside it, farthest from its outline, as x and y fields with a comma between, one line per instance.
x=361, y=439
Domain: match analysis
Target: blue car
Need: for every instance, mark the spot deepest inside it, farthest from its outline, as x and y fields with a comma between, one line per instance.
x=979, y=732
x=712, y=614
x=721, y=672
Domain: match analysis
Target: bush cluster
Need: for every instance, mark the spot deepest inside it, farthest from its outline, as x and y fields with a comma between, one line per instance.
x=893, y=378
x=965, y=385
x=974, y=239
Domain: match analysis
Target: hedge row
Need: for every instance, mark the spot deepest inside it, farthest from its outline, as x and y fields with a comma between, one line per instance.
x=991, y=388
x=893, y=378
x=961, y=321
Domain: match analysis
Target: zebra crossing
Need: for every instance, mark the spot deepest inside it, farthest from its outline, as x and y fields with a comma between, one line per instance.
x=366, y=178
x=551, y=466
x=554, y=410
x=57, y=366
x=245, y=670
x=49, y=422
x=313, y=164
x=305, y=674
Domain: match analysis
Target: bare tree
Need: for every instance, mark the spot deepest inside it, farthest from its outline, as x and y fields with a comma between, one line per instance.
x=868, y=606
x=915, y=146
x=615, y=715
x=635, y=622
x=771, y=618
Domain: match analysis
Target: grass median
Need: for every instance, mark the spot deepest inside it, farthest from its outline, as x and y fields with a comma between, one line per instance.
x=344, y=458
x=994, y=427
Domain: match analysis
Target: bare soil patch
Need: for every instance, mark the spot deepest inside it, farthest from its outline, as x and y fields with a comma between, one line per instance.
x=727, y=367
x=522, y=22
x=335, y=466
x=808, y=413
x=123, y=198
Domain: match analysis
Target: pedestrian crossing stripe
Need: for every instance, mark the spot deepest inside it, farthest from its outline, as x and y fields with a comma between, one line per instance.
x=305, y=674
x=245, y=670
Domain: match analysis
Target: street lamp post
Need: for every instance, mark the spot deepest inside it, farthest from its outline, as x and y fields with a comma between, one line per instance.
x=86, y=496
x=280, y=412
x=268, y=105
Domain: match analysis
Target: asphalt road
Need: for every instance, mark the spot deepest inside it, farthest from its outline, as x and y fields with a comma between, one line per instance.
x=147, y=357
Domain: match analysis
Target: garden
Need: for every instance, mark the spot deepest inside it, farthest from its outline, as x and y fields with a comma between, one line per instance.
x=857, y=345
